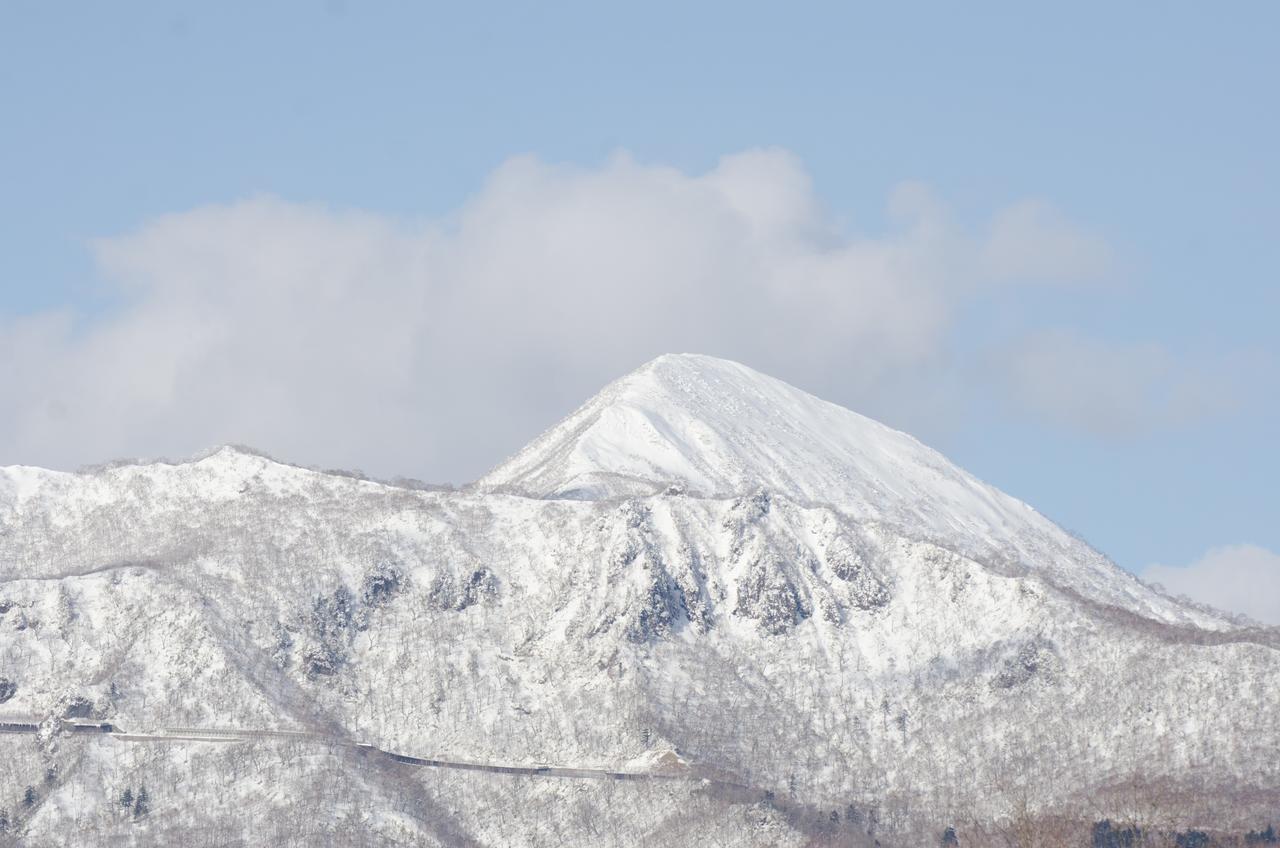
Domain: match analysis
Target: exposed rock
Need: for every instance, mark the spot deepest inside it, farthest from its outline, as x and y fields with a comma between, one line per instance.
x=849, y=562
x=450, y=593
x=1036, y=658
x=766, y=595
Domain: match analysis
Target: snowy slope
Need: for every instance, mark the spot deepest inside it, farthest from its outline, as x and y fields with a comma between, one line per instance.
x=718, y=428
x=823, y=610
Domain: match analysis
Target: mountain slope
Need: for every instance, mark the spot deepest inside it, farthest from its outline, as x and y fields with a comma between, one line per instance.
x=867, y=657
x=718, y=428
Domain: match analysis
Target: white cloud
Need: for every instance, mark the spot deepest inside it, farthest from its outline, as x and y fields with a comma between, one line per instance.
x=1113, y=389
x=1031, y=240
x=1237, y=578
x=435, y=347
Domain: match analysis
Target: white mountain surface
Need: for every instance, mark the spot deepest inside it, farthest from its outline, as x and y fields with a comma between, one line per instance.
x=702, y=572
x=716, y=428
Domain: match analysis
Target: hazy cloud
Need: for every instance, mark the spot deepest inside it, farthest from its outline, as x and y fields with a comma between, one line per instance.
x=1113, y=389
x=435, y=347
x=1031, y=240
x=1237, y=578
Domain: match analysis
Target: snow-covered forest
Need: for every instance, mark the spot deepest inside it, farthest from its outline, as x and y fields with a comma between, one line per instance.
x=830, y=633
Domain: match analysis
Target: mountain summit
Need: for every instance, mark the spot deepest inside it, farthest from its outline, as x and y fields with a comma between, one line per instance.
x=715, y=428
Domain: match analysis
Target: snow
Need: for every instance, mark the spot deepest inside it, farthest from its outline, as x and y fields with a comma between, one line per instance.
x=821, y=608
x=718, y=428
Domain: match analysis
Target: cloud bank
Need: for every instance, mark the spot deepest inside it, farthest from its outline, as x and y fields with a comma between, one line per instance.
x=1240, y=578
x=1110, y=389
x=436, y=347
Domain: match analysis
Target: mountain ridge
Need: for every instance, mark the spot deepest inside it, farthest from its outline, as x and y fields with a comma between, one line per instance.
x=828, y=656
x=682, y=419
x=717, y=428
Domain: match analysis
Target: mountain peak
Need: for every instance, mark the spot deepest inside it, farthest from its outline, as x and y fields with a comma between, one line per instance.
x=714, y=427
x=719, y=429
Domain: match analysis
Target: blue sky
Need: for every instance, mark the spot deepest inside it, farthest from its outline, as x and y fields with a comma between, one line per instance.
x=1129, y=147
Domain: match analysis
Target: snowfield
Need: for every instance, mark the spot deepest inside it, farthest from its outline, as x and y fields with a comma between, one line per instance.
x=702, y=570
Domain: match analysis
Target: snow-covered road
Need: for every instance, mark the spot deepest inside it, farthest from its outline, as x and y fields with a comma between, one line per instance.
x=216, y=735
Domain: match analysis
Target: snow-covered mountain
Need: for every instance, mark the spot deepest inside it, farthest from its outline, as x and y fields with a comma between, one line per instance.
x=716, y=429
x=846, y=633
